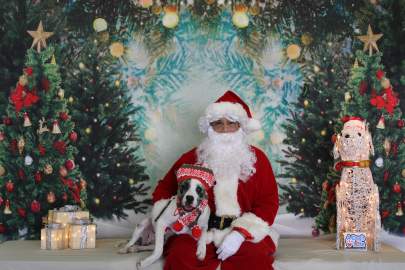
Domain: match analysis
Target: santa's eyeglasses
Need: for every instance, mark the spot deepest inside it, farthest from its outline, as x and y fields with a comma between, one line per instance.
x=224, y=125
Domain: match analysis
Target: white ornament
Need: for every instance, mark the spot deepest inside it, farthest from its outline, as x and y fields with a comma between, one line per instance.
x=28, y=160
x=379, y=162
x=240, y=19
x=171, y=18
x=100, y=25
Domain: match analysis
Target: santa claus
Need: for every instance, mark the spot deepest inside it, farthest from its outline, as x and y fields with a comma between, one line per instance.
x=243, y=202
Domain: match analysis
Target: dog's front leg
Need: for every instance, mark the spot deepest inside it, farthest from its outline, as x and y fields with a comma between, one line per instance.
x=202, y=245
x=159, y=242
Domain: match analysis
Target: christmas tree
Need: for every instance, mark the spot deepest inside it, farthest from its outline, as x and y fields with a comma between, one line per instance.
x=374, y=99
x=37, y=168
x=108, y=144
x=310, y=127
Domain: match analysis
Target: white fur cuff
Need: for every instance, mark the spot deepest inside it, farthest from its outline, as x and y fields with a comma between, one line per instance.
x=257, y=227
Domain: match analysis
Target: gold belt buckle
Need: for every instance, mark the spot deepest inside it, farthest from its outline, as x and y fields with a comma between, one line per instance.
x=221, y=224
x=364, y=163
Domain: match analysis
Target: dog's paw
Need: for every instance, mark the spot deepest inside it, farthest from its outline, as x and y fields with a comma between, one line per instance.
x=138, y=266
x=123, y=250
x=201, y=252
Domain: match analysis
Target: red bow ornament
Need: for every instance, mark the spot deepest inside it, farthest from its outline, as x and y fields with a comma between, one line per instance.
x=22, y=98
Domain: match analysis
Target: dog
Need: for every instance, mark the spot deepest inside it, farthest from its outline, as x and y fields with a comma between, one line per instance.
x=187, y=212
x=357, y=197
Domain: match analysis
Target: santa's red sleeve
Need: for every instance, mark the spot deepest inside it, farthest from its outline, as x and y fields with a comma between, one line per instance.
x=167, y=187
x=265, y=205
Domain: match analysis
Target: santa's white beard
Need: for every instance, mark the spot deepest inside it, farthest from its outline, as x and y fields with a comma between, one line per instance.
x=230, y=157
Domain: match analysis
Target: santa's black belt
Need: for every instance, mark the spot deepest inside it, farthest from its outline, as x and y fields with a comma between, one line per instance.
x=220, y=222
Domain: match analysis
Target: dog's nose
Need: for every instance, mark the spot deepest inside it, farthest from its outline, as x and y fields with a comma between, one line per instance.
x=189, y=199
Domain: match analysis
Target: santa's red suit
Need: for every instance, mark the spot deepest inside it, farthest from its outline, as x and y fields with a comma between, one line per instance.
x=255, y=206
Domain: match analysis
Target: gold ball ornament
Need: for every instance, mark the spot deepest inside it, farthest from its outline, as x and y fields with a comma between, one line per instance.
x=48, y=169
x=23, y=80
x=83, y=183
x=306, y=103
x=403, y=173
x=87, y=130
x=293, y=51
x=103, y=36
x=254, y=10
x=303, y=140
x=171, y=18
x=2, y=170
x=117, y=49
x=99, y=25
x=157, y=9
x=316, y=69
x=240, y=18
x=323, y=132
x=385, y=83
x=51, y=198
x=306, y=39
x=117, y=83
x=97, y=201
x=131, y=181
x=293, y=180
x=81, y=65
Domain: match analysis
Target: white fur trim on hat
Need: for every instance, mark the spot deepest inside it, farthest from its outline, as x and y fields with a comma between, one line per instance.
x=231, y=111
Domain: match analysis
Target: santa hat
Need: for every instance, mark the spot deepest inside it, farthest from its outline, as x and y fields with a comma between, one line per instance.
x=202, y=174
x=232, y=107
x=353, y=122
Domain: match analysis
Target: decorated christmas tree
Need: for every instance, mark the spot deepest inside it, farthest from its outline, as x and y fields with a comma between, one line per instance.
x=108, y=145
x=37, y=168
x=310, y=128
x=374, y=99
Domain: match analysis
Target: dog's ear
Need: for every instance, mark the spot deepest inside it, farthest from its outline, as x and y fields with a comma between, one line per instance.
x=336, y=153
x=369, y=141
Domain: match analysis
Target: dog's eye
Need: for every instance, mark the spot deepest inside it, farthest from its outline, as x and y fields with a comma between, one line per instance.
x=359, y=134
x=199, y=190
x=347, y=136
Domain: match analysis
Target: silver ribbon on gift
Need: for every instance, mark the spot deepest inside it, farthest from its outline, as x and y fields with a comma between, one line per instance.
x=69, y=208
x=48, y=229
x=83, y=230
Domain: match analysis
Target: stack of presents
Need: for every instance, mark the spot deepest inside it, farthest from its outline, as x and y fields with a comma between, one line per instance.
x=68, y=227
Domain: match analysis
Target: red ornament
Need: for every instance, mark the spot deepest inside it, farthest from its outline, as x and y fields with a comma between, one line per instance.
x=69, y=164
x=13, y=145
x=315, y=232
x=21, y=212
x=386, y=176
x=363, y=87
x=196, y=232
x=394, y=149
x=10, y=186
x=73, y=136
x=177, y=226
x=63, y=116
x=38, y=177
x=60, y=146
x=385, y=214
x=21, y=174
x=333, y=138
x=45, y=84
x=35, y=206
x=396, y=188
x=2, y=228
x=28, y=71
x=380, y=74
x=7, y=121
x=41, y=149
x=401, y=123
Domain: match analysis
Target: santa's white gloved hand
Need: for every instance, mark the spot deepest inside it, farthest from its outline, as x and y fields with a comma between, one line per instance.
x=230, y=245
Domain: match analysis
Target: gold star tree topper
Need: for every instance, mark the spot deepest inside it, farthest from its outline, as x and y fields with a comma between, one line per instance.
x=39, y=37
x=370, y=41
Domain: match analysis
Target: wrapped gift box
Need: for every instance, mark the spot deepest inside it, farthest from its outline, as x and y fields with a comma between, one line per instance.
x=67, y=214
x=82, y=234
x=53, y=236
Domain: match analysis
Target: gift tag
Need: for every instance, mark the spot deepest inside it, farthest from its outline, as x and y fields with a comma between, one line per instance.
x=355, y=241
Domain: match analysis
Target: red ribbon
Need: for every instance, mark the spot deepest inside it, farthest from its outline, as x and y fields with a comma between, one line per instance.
x=23, y=99
x=347, y=118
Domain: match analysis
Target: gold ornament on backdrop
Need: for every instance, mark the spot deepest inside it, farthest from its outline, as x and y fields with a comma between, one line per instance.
x=48, y=169
x=157, y=9
x=254, y=10
x=117, y=49
x=171, y=18
x=40, y=37
x=97, y=201
x=293, y=51
x=99, y=25
x=323, y=132
x=370, y=41
x=21, y=145
x=87, y=130
x=306, y=39
x=306, y=103
x=240, y=18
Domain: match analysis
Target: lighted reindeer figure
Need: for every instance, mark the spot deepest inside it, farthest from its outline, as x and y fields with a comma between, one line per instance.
x=357, y=198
